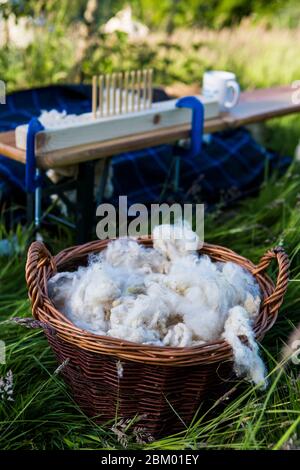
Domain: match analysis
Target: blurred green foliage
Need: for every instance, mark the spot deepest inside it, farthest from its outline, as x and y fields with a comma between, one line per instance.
x=253, y=38
x=165, y=14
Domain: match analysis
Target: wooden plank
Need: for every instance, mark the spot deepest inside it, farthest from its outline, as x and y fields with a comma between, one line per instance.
x=109, y=148
x=113, y=147
x=8, y=147
x=254, y=106
x=261, y=105
x=93, y=131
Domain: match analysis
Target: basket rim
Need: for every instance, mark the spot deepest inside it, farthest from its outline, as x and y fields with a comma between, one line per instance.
x=213, y=351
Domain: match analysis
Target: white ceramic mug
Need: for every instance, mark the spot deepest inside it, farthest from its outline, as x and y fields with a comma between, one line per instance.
x=222, y=86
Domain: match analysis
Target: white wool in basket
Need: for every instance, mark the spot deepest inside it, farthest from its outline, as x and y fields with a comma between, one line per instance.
x=126, y=252
x=178, y=335
x=167, y=295
x=175, y=240
x=246, y=358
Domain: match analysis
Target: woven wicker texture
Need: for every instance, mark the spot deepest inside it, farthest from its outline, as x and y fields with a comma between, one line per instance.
x=164, y=386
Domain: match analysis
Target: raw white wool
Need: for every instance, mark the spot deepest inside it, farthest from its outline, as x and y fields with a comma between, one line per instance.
x=126, y=252
x=137, y=335
x=165, y=296
x=120, y=369
x=175, y=240
x=252, y=304
x=55, y=119
x=239, y=334
x=179, y=335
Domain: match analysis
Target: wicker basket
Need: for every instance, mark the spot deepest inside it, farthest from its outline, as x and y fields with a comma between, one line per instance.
x=163, y=386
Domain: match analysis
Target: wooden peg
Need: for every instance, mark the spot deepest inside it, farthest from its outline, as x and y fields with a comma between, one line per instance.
x=145, y=77
x=107, y=93
x=120, y=93
x=126, y=84
x=94, y=97
x=101, y=86
x=138, y=79
x=132, y=86
x=150, y=93
x=114, y=92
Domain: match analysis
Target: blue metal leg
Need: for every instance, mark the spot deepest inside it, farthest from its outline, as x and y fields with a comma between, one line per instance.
x=33, y=175
x=176, y=173
x=197, y=108
x=37, y=202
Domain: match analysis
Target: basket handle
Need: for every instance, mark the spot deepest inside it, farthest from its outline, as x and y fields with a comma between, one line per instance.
x=275, y=299
x=38, y=259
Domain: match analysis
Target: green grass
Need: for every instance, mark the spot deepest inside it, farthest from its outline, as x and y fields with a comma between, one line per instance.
x=44, y=416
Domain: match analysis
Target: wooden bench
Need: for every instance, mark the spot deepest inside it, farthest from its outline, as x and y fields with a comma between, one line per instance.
x=254, y=106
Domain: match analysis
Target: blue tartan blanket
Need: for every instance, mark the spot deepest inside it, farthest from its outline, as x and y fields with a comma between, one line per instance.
x=231, y=163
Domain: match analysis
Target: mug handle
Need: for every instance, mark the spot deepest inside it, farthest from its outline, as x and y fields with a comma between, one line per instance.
x=236, y=94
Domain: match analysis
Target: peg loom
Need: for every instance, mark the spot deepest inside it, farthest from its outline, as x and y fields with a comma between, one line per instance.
x=121, y=106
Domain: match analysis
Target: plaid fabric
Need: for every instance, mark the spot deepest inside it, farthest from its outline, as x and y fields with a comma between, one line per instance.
x=231, y=163
x=21, y=106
